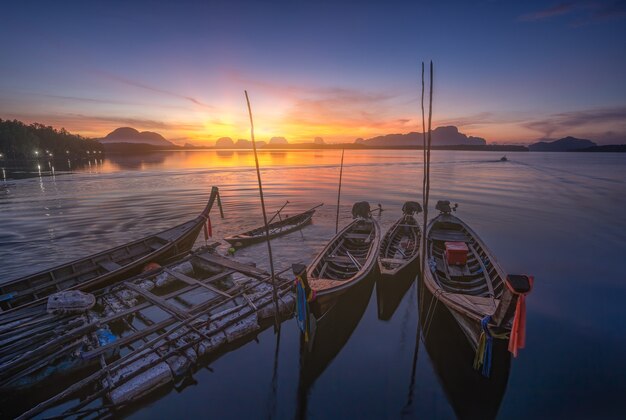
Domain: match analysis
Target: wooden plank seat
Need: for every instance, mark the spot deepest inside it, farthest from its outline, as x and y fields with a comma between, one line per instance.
x=392, y=261
x=459, y=270
x=362, y=236
x=448, y=236
x=109, y=265
x=341, y=259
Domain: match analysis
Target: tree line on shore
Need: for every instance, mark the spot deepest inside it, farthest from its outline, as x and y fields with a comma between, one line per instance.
x=21, y=141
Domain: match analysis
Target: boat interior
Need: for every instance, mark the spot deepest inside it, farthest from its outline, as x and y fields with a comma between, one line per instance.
x=344, y=257
x=478, y=277
x=401, y=244
x=279, y=226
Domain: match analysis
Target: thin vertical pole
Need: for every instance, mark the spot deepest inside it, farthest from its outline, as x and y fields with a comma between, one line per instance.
x=339, y=192
x=426, y=182
x=267, y=229
x=425, y=214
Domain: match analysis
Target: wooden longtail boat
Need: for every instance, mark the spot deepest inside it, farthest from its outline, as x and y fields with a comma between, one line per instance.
x=478, y=293
x=345, y=261
x=105, y=267
x=400, y=245
x=282, y=227
x=142, y=333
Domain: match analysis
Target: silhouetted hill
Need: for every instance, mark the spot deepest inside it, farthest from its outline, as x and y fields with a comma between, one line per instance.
x=224, y=142
x=441, y=136
x=130, y=135
x=278, y=140
x=562, y=145
x=609, y=148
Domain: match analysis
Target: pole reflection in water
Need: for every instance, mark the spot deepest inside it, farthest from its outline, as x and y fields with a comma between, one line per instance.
x=334, y=329
x=471, y=395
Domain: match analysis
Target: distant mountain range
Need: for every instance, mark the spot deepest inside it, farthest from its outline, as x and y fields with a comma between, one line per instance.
x=130, y=135
x=228, y=143
x=447, y=137
x=565, y=144
x=441, y=136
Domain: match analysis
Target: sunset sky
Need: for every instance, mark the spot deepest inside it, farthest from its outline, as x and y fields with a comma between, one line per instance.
x=508, y=71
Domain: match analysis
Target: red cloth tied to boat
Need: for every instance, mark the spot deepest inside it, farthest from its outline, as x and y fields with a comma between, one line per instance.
x=518, y=330
x=208, y=229
x=456, y=253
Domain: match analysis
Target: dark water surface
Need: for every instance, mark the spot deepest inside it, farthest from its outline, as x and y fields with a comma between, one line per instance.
x=559, y=216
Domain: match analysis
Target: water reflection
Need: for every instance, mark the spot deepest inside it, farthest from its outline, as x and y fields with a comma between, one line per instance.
x=390, y=291
x=471, y=395
x=332, y=333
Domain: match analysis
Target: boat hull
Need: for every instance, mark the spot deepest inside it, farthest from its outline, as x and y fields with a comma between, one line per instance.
x=468, y=310
x=392, y=256
x=328, y=291
x=241, y=241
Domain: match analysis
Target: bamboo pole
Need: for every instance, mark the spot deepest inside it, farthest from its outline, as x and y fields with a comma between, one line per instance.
x=278, y=212
x=339, y=191
x=267, y=229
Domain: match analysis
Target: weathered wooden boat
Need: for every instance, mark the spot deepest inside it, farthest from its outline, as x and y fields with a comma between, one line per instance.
x=105, y=267
x=282, y=227
x=345, y=261
x=399, y=247
x=486, y=303
x=141, y=334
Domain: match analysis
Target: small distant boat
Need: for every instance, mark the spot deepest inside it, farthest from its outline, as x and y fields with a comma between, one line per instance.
x=282, y=227
x=345, y=261
x=503, y=159
x=400, y=245
x=464, y=275
x=105, y=267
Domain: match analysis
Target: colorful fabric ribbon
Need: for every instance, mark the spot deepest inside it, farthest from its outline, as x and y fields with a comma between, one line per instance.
x=518, y=330
x=482, y=359
x=208, y=229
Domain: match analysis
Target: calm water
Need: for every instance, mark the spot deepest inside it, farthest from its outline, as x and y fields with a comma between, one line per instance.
x=557, y=216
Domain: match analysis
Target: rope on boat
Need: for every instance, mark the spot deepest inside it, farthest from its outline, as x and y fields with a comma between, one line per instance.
x=267, y=229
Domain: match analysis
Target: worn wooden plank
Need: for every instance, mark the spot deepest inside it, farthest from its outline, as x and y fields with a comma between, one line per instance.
x=235, y=265
x=190, y=280
x=109, y=265
x=159, y=301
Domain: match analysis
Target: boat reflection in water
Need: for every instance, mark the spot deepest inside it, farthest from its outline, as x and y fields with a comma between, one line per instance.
x=471, y=395
x=390, y=291
x=333, y=331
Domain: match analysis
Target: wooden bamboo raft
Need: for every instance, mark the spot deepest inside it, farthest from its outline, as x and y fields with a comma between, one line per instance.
x=142, y=333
